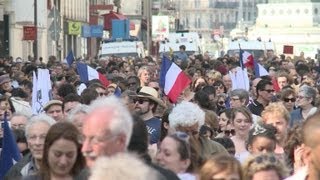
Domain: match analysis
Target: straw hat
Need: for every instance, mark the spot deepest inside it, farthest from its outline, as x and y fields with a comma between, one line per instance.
x=149, y=93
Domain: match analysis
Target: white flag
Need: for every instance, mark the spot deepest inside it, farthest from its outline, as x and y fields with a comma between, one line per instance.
x=41, y=91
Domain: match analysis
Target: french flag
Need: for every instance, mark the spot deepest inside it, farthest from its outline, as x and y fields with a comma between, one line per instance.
x=246, y=59
x=172, y=79
x=87, y=73
x=259, y=70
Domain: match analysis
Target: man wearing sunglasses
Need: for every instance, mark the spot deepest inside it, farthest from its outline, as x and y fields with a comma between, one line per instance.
x=146, y=102
x=265, y=93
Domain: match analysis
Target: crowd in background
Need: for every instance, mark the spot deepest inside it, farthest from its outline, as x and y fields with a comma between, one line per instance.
x=90, y=131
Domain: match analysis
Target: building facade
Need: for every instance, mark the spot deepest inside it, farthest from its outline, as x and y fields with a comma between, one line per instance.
x=52, y=17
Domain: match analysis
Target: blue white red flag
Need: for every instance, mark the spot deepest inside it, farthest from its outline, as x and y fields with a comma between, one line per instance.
x=259, y=70
x=87, y=73
x=246, y=59
x=172, y=79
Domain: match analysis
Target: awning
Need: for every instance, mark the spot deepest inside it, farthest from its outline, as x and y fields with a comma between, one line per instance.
x=112, y=15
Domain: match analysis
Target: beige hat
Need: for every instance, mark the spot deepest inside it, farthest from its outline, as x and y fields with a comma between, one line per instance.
x=50, y=103
x=112, y=86
x=149, y=93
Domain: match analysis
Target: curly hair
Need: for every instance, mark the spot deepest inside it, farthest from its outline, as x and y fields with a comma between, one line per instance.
x=186, y=114
x=275, y=109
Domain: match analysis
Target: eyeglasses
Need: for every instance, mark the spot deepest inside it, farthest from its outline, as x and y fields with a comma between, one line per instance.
x=234, y=99
x=140, y=101
x=18, y=126
x=268, y=90
x=289, y=99
x=301, y=97
x=96, y=139
x=42, y=137
x=218, y=87
x=231, y=132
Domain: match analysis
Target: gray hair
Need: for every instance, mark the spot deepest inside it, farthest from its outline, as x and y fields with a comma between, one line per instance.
x=122, y=121
x=116, y=167
x=41, y=118
x=20, y=114
x=186, y=114
x=241, y=93
x=80, y=108
x=309, y=92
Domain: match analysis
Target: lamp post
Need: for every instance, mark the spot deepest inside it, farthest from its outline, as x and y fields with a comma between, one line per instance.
x=35, y=42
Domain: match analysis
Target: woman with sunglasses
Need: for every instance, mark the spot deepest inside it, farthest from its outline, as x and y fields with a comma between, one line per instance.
x=288, y=98
x=261, y=139
x=225, y=128
x=175, y=154
x=241, y=120
x=264, y=167
x=306, y=105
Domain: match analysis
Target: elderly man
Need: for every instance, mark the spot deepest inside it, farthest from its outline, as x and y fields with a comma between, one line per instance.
x=36, y=131
x=106, y=129
x=54, y=109
x=188, y=117
x=18, y=121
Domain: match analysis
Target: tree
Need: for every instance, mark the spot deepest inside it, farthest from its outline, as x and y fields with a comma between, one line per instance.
x=117, y=3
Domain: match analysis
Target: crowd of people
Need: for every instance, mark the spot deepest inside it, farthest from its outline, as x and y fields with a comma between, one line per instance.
x=130, y=129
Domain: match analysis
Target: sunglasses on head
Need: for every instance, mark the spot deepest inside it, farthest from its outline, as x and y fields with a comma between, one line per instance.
x=231, y=132
x=263, y=158
x=103, y=94
x=289, y=99
x=181, y=136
